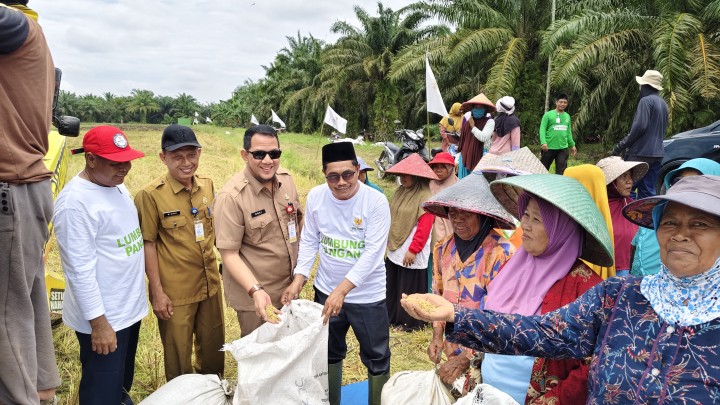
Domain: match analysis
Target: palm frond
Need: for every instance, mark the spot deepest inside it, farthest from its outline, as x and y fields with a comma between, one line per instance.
x=504, y=73
x=705, y=68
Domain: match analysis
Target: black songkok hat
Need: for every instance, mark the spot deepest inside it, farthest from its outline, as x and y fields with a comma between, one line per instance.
x=338, y=152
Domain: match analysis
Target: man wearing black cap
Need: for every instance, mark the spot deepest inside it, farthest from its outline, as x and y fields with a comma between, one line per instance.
x=347, y=224
x=176, y=222
x=28, y=372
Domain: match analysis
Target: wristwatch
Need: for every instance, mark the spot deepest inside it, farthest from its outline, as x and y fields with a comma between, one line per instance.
x=255, y=288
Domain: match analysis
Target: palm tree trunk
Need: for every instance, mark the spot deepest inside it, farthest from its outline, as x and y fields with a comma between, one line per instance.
x=547, y=86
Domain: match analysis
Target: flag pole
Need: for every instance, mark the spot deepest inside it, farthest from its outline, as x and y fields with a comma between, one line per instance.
x=317, y=150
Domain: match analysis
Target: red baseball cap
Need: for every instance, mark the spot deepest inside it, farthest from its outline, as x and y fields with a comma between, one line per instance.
x=110, y=143
x=442, y=158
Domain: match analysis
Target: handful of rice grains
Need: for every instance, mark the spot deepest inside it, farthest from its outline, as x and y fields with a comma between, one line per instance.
x=271, y=315
x=424, y=304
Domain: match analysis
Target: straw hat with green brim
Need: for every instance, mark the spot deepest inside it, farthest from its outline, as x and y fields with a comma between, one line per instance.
x=471, y=193
x=699, y=192
x=413, y=165
x=479, y=100
x=614, y=166
x=517, y=162
x=569, y=196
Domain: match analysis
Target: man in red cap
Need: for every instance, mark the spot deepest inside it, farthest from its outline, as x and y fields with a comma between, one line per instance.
x=443, y=165
x=101, y=249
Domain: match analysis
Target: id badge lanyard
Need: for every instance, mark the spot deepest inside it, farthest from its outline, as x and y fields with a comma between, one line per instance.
x=292, y=228
x=199, y=228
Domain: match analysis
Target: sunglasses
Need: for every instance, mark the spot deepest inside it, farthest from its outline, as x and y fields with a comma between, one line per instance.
x=334, y=177
x=260, y=154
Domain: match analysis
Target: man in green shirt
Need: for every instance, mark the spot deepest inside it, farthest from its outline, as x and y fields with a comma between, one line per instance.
x=556, y=141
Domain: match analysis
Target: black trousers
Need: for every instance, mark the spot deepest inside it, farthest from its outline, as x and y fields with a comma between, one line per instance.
x=560, y=156
x=401, y=280
x=107, y=378
x=372, y=330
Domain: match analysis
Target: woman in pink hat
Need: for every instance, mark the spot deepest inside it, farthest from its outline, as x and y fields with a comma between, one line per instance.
x=409, y=240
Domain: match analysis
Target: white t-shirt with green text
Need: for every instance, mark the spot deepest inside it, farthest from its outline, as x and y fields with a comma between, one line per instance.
x=350, y=237
x=102, y=255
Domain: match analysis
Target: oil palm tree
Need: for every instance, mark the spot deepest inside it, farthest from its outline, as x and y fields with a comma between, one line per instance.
x=142, y=102
x=357, y=66
x=599, y=46
x=487, y=51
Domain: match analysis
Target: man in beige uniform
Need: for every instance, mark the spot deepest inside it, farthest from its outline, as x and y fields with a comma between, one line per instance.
x=176, y=222
x=257, y=224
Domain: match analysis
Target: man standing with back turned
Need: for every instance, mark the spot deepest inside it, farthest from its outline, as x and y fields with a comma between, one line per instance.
x=176, y=222
x=347, y=224
x=644, y=143
x=28, y=372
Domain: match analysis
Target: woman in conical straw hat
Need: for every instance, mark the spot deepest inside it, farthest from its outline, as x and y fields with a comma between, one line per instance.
x=620, y=175
x=464, y=262
x=477, y=129
x=409, y=239
x=560, y=224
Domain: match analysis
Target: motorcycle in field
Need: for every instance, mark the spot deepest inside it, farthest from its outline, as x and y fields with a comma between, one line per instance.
x=410, y=142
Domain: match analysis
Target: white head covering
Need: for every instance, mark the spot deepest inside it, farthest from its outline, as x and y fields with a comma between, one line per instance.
x=506, y=104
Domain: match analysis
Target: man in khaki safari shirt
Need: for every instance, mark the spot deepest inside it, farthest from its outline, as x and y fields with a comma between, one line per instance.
x=175, y=213
x=257, y=222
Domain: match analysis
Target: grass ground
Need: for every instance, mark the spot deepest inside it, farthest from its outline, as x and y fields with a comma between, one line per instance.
x=220, y=160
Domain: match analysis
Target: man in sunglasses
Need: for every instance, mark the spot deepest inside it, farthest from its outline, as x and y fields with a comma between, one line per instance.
x=347, y=224
x=257, y=221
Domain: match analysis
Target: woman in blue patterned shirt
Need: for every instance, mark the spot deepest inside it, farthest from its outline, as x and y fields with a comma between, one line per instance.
x=653, y=339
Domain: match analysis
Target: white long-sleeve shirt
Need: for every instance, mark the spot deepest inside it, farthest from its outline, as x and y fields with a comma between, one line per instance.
x=102, y=255
x=350, y=236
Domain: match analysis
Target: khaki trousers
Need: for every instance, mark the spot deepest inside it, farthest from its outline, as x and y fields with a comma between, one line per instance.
x=27, y=356
x=205, y=321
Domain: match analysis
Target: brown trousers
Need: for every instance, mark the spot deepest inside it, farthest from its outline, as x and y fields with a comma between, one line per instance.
x=205, y=320
x=27, y=356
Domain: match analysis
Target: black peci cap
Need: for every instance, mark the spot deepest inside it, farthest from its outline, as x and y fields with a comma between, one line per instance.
x=338, y=152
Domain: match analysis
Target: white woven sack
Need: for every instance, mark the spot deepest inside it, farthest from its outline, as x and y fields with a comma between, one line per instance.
x=415, y=388
x=486, y=394
x=284, y=363
x=192, y=389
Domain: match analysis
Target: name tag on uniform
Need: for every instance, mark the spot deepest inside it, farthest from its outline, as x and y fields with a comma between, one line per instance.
x=257, y=213
x=292, y=231
x=171, y=213
x=199, y=231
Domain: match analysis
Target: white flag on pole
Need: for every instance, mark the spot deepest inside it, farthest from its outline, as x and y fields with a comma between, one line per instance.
x=335, y=120
x=277, y=119
x=253, y=119
x=435, y=102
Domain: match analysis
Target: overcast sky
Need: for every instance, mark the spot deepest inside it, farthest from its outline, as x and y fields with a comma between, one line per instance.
x=203, y=48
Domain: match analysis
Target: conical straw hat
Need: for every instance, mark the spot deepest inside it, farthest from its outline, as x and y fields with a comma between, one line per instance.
x=569, y=196
x=515, y=163
x=614, y=166
x=413, y=165
x=471, y=193
x=480, y=99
